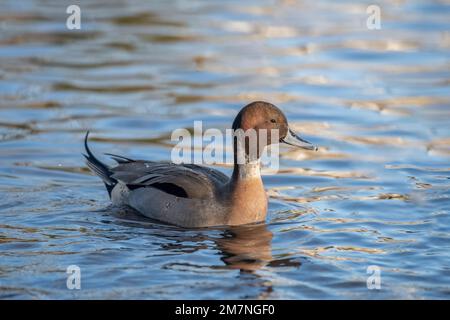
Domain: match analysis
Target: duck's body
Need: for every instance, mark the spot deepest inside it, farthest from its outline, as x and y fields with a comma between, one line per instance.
x=188, y=195
x=182, y=194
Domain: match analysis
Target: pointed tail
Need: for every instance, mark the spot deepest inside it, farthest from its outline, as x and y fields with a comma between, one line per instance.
x=98, y=167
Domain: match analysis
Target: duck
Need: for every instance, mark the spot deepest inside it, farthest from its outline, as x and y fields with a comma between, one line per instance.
x=195, y=196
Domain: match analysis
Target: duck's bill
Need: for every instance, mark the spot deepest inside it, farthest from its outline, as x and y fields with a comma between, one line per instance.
x=294, y=140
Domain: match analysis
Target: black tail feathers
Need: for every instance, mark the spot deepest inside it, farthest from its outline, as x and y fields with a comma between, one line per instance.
x=98, y=167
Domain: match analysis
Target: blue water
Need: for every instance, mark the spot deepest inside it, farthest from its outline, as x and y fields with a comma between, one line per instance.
x=376, y=102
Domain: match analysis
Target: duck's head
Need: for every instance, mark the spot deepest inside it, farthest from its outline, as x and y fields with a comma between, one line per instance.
x=260, y=115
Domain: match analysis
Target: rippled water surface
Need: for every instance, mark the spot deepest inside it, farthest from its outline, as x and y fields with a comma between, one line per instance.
x=375, y=101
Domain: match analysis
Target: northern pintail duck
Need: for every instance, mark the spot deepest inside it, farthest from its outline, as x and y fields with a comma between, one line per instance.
x=190, y=195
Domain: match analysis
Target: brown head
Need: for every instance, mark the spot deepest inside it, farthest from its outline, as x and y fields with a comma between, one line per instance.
x=267, y=121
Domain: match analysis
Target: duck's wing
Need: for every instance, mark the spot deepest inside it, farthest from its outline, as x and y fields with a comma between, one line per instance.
x=182, y=180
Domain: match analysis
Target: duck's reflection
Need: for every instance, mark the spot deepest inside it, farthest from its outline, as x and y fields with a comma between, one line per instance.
x=247, y=248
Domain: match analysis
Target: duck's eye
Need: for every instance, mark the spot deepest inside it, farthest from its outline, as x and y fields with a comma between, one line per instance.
x=273, y=120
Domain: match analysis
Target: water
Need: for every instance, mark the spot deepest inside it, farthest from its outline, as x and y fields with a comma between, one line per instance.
x=375, y=101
